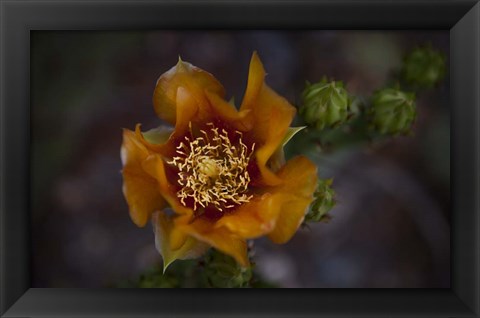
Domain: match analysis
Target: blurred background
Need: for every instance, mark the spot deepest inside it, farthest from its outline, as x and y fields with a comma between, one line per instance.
x=391, y=224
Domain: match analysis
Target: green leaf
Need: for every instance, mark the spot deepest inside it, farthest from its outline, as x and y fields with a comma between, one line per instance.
x=232, y=101
x=292, y=131
x=162, y=227
x=277, y=160
x=158, y=135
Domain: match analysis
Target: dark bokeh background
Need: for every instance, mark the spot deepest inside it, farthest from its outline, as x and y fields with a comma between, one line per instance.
x=391, y=225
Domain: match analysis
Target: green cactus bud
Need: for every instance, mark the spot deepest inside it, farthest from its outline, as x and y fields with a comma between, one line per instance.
x=424, y=67
x=324, y=104
x=324, y=201
x=392, y=111
x=222, y=271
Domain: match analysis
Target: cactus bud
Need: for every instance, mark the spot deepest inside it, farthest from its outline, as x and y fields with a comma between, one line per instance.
x=392, y=111
x=324, y=201
x=222, y=271
x=424, y=67
x=324, y=104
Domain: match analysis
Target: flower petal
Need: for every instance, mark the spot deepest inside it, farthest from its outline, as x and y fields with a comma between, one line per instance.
x=218, y=237
x=164, y=233
x=185, y=75
x=139, y=188
x=187, y=110
x=272, y=115
x=300, y=176
x=227, y=112
x=155, y=167
x=255, y=218
x=280, y=211
x=290, y=219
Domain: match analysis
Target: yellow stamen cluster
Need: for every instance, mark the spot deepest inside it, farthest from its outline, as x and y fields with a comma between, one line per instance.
x=212, y=170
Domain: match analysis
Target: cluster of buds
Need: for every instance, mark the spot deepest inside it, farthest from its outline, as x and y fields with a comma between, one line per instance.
x=392, y=111
x=325, y=104
x=324, y=201
x=424, y=67
x=222, y=271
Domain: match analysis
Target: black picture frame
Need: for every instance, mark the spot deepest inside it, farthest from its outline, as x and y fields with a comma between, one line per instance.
x=18, y=18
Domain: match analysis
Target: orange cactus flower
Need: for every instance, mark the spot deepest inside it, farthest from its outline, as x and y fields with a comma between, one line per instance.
x=219, y=176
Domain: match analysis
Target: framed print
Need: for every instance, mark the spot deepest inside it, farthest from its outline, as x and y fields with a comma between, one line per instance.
x=322, y=155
